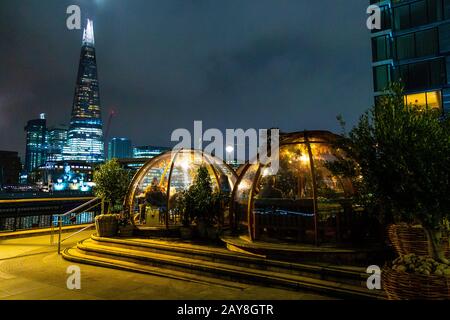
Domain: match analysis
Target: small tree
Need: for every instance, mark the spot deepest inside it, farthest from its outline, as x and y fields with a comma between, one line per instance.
x=399, y=161
x=200, y=196
x=111, y=184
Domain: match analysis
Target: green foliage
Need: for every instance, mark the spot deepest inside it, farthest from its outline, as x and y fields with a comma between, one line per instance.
x=200, y=195
x=421, y=265
x=111, y=184
x=200, y=202
x=398, y=159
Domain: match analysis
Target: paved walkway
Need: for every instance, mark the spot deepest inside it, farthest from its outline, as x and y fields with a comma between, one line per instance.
x=30, y=268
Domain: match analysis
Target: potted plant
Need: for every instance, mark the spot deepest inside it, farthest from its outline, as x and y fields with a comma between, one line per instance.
x=106, y=225
x=183, y=205
x=415, y=277
x=203, y=204
x=111, y=185
x=398, y=159
x=199, y=199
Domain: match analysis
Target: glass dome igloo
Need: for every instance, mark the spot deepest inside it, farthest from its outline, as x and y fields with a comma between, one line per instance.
x=302, y=201
x=154, y=188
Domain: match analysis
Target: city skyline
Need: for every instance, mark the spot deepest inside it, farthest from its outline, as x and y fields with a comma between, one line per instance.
x=207, y=154
x=168, y=60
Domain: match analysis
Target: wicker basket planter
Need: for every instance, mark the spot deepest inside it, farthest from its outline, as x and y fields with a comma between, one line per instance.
x=106, y=225
x=408, y=239
x=407, y=286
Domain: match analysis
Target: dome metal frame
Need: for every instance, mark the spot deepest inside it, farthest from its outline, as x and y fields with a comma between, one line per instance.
x=140, y=174
x=302, y=137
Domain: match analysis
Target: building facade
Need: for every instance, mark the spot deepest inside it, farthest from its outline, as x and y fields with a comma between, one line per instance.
x=413, y=46
x=35, y=151
x=148, y=152
x=10, y=168
x=85, y=136
x=66, y=176
x=56, y=138
x=120, y=148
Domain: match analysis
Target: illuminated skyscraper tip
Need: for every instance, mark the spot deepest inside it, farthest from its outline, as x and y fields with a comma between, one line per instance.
x=88, y=33
x=85, y=135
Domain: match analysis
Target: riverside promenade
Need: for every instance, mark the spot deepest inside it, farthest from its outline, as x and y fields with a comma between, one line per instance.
x=31, y=269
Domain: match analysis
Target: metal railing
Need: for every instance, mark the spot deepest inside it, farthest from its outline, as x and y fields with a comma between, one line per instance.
x=86, y=207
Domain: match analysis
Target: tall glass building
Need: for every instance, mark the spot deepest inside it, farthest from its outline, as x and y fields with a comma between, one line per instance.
x=413, y=45
x=35, y=151
x=119, y=148
x=148, y=152
x=85, y=136
x=56, y=138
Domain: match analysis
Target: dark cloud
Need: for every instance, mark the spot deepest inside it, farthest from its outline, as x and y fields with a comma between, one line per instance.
x=163, y=64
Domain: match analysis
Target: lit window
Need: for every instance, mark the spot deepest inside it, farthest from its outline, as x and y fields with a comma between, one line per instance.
x=432, y=100
x=418, y=100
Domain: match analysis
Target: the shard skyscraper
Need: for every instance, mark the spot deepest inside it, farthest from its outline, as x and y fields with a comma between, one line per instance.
x=85, y=136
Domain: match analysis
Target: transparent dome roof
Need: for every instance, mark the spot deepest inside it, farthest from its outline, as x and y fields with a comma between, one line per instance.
x=303, y=201
x=154, y=188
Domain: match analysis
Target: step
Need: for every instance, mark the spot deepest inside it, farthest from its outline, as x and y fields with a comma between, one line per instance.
x=75, y=255
x=331, y=254
x=119, y=256
x=349, y=275
x=152, y=232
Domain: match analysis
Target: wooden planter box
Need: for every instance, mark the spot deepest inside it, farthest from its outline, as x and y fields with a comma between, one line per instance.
x=407, y=286
x=106, y=225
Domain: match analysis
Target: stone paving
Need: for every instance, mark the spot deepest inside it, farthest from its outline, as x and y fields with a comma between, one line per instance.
x=30, y=268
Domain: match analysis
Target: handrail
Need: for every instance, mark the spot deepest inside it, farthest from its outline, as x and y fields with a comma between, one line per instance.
x=77, y=232
x=34, y=200
x=83, y=207
x=79, y=207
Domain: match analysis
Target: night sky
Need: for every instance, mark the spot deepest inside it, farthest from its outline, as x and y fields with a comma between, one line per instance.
x=164, y=63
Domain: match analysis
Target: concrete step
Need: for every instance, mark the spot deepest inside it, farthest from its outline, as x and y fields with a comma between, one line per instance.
x=90, y=252
x=331, y=254
x=75, y=255
x=349, y=275
x=155, y=232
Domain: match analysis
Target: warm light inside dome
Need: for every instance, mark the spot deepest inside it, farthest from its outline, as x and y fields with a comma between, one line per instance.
x=153, y=197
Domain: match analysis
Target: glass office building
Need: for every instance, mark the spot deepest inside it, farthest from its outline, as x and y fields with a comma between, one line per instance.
x=35, y=151
x=148, y=152
x=120, y=148
x=413, y=45
x=56, y=138
x=85, y=136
